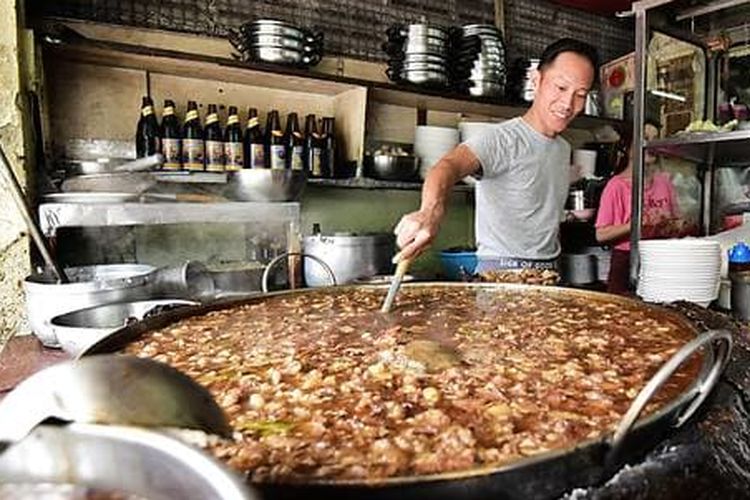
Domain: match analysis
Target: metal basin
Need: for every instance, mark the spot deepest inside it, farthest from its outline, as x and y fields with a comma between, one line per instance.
x=78, y=330
x=90, y=285
x=391, y=167
x=118, y=460
x=265, y=185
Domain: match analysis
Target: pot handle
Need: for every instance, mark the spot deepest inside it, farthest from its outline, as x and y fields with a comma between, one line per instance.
x=720, y=359
x=279, y=258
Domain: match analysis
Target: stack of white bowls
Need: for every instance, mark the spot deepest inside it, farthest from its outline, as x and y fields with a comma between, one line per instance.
x=679, y=269
x=432, y=143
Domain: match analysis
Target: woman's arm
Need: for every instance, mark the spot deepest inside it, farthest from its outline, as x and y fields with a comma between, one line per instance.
x=614, y=232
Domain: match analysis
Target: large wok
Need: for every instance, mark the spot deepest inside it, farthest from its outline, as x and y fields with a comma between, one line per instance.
x=546, y=475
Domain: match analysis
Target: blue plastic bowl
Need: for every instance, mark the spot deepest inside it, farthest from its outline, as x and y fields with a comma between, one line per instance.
x=456, y=265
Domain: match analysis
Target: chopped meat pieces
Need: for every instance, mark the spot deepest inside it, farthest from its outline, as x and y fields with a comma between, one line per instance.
x=322, y=386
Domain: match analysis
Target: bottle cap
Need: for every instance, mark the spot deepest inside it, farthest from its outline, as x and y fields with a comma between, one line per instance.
x=740, y=253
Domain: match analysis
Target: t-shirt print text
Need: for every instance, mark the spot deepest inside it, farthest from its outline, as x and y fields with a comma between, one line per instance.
x=657, y=203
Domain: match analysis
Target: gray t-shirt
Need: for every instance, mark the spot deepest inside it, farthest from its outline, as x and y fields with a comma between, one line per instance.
x=521, y=195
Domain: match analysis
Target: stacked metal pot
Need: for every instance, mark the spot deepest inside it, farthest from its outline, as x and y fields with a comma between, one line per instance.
x=481, y=61
x=470, y=59
x=419, y=54
x=274, y=41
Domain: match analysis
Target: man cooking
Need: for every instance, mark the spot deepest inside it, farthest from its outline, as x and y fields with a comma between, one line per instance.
x=523, y=167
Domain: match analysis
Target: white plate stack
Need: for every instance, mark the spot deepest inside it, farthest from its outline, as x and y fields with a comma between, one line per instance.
x=432, y=143
x=679, y=269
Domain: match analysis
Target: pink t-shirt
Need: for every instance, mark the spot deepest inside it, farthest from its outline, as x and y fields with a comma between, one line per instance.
x=659, y=202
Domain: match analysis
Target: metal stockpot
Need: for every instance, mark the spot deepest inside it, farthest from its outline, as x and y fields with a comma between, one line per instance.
x=350, y=256
x=89, y=286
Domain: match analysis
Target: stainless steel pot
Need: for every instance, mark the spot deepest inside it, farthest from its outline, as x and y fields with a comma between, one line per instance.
x=425, y=58
x=391, y=167
x=487, y=88
x=578, y=269
x=419, y=76
x=263, y=184
x=89, y=286
x=424, y=30
x=76, y=331
x=350, y=256
x=118, y=460
x=286, y=42
x=272, y=27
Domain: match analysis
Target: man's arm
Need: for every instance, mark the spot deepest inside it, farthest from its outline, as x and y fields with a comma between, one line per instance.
x=416, y=230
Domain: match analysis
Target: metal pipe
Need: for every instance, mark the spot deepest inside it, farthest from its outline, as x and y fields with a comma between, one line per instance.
x=639, y=106
x=36, y=234
x=702, y=10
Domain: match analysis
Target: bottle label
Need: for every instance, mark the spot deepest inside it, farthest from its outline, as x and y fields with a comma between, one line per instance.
x=213, y=117
x=317, y=163
x=147, y=110
x=297, y=158
x=278, y=156
x=277, y=133
x=257, y=156
x=215, y=156
x=168, y=111
x=170, y=148
x=234, y=155
x=253, y=122
x=233, y=119
x=191, y=115
x=193, y=154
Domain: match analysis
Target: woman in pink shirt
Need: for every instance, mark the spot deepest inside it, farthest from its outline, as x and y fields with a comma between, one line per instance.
x=660, y=211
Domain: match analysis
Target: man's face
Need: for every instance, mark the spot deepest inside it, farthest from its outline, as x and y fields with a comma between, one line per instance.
x=561, y=90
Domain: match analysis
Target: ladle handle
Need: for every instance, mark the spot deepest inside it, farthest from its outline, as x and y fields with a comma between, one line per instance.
x=31, y=224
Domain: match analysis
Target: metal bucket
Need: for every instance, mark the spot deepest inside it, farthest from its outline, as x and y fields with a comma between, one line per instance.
x=89, y=286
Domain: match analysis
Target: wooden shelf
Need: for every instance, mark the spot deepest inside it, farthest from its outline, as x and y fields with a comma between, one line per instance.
x=434, y=100
x=281, y=77
x=367, y=183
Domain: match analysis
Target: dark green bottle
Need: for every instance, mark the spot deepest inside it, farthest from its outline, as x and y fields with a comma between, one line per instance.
x=214, y=141
x=147, y=131
x=193, y=149
x=295, y=143
x=255, y=149
x=275, y=144
x=171, y=138
x=234, y=155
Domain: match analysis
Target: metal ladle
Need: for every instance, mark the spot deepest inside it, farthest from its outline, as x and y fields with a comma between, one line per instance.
x=36, y=233
x=113, y=390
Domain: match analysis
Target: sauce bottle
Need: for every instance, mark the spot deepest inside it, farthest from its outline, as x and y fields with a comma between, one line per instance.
x=147, y=131
x=275, y=146
x=313, y=150
x=193, y=150
x=255, y=150
x=214, y=141
x=171, y=138
x=234, y=155
x=294, y=143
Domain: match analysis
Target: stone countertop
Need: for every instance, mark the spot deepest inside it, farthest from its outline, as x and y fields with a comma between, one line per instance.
x=22, y=356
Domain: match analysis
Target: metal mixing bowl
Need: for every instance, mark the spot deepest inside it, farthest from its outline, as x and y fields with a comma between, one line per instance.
x=260, y=184
x=391, y=167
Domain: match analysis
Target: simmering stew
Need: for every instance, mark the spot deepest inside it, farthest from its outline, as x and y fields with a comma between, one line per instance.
x=322, y=385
